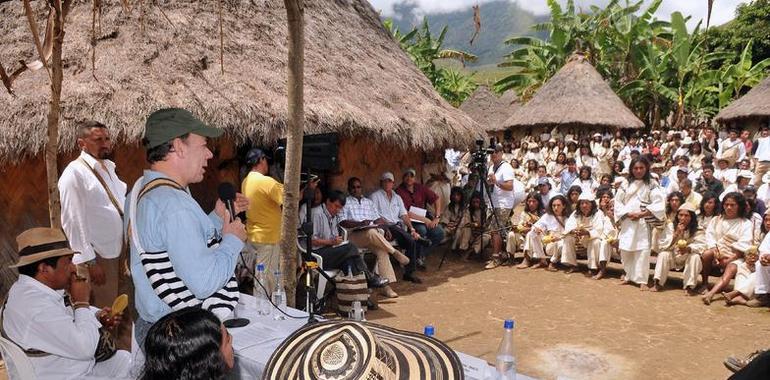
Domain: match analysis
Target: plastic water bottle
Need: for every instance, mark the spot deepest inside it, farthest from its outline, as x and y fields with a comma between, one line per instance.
x=279, y=297
x=429, y=331
x=263, y=304
x=505, y=364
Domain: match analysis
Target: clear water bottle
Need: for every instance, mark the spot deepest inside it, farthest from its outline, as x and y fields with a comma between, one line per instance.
x=429, y=331
x=279, y=297
x=260, y=292
x=505, y=363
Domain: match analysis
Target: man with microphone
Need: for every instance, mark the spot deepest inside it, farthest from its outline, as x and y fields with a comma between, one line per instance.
x=180, y=256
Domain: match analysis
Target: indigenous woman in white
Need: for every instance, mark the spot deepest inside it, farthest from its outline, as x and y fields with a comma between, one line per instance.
x=586, y=181
x=680, y=249
x=660, y=234
x=545, y=235
x=522, y=223
x=555, y=168
x=609, y=234
x=709, y=208
x=582, y=230
x=640, y=199
x=727, y=236
x=605, y=156
x=586, y=158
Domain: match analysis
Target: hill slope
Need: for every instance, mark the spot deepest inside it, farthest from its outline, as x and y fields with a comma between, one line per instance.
x=500, y=20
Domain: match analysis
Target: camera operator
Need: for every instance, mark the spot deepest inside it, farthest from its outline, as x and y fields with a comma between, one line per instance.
x=500, y=178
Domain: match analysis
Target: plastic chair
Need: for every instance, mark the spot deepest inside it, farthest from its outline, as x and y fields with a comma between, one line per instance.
x=322, y=281
x=17, y=363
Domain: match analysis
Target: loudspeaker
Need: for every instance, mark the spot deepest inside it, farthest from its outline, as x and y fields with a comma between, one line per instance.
x=319, y=152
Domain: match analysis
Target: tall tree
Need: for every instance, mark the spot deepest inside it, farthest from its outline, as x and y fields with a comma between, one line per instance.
x=295, y=10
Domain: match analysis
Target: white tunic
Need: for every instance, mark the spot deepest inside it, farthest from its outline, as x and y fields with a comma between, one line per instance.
x=634, y=235
x=729, y=235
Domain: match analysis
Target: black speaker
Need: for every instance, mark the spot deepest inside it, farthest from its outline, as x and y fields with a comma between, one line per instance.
x=319, y=152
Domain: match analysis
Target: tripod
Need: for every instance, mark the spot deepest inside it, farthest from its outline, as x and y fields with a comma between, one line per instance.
x=310, y=263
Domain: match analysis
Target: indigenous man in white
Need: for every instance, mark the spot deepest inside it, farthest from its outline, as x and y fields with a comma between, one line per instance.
x=582, y=227
x=637, y=200
x=681, y=247
x=92, y=198
x=727, y=235
x=59, y=335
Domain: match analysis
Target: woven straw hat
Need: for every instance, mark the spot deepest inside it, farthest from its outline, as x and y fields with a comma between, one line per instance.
x=347, y=350
x=40, y=243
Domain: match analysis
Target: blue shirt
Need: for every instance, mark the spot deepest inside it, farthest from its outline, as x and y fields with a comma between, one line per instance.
x=567, y=178
x=170, y=220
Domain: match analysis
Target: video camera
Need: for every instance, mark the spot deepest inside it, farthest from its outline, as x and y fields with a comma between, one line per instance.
x=479, y=156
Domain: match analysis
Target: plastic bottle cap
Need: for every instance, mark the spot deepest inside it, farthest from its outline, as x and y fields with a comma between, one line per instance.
x=508, y=324
x=429, y=330
x=260, y=267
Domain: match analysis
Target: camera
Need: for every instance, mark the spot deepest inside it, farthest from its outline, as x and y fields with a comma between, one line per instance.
x=479, y=157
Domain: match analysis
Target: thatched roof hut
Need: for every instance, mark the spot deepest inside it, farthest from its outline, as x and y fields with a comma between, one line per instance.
x=490, y=110
x=576, y=96
x=754, y=105
x=358, y=81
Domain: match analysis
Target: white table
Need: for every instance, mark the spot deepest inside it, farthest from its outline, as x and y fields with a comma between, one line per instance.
x=254, y=343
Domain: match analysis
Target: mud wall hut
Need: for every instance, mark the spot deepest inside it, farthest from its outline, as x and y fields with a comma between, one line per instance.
x=358, y=84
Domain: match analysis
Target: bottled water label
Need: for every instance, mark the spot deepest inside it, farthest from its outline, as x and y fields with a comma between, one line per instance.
x=506, y=367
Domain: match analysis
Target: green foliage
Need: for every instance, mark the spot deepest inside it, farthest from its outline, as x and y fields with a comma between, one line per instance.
x=661, y=70
x=751, y=23
x=425, y=50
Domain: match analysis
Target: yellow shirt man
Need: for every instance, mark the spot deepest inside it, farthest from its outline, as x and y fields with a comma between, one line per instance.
x=263, y=218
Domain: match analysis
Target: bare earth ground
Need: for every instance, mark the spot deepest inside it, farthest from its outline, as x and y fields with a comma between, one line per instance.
x=573, y=326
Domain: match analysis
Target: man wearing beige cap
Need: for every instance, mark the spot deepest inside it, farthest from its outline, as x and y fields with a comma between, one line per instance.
x=59, y=334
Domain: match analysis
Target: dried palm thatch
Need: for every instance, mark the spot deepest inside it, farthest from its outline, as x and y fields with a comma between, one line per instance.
x=755, y=104
x=358, y=81
x=491, y=110
x=575, y=96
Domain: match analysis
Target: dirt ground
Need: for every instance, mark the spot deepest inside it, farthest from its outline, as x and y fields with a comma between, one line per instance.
x=570, y=326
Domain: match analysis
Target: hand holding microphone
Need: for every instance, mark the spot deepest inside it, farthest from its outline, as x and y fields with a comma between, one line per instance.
x=229, y=198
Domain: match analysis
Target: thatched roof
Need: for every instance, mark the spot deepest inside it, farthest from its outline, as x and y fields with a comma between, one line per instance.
x=575, y=96
x=357, y=79
x=490, y=110
x=756, y=103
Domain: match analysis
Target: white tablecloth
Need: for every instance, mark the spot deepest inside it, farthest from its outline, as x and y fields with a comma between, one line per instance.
x=254, y=343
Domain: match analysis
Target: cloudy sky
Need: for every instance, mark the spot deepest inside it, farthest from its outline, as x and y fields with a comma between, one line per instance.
x=723, y=11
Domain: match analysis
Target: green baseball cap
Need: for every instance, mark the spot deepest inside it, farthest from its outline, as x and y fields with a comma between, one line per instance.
x=167, y=124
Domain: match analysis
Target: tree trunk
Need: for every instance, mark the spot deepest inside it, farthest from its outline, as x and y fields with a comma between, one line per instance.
x=294, y=133
x=52, y=145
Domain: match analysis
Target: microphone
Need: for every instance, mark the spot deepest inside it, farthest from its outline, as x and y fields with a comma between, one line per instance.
x=227, y=195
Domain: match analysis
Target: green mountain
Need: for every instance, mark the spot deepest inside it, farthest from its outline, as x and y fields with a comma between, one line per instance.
x=500, y=20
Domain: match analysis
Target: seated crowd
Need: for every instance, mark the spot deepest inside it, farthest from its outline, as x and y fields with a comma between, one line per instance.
x=646, y=198
x=602, y=197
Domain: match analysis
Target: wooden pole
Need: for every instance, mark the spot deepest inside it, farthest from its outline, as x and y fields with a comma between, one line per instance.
x=294, y=133
x=54, y=111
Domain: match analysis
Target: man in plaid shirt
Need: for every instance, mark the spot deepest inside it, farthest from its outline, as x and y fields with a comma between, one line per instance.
x=367, y=230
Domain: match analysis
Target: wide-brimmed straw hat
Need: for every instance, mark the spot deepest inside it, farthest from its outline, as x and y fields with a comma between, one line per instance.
x=346, y=350
x=41, y=243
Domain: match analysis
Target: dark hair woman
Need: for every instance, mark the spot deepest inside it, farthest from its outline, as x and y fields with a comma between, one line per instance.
x=533, y=209
x=546, y=232
x=681, y=250
x=187, y=344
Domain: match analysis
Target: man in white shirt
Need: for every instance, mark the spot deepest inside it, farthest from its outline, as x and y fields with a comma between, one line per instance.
x=732, y=149
x=391, y=209
x=500, y=178
x=92, y=198
x=762, y=155
x=60, y=336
